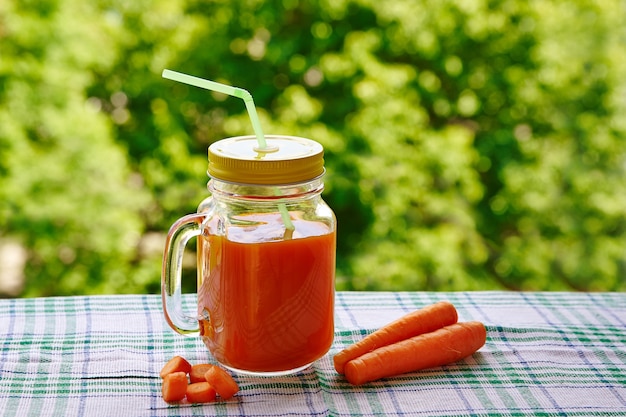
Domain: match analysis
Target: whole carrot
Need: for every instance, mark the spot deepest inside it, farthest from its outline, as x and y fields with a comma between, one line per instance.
x=446, y=345
x=424, y=320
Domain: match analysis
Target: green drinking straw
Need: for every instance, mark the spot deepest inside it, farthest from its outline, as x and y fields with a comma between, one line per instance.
x=254, y=118
x=224, y=89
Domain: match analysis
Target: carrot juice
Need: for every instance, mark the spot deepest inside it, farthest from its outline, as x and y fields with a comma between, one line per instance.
x=265, y=299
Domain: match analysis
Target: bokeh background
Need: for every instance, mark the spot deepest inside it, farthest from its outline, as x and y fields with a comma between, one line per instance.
x=475, y=144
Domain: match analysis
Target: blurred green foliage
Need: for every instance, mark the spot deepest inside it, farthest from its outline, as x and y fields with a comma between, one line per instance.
x=469, y=145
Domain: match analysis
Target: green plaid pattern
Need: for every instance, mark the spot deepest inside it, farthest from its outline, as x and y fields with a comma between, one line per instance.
x=547, y=354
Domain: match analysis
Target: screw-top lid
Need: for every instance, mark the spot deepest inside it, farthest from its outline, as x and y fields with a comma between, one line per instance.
x=285, y=160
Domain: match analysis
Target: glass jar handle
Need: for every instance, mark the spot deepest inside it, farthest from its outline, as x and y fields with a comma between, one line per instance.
x=178, y=236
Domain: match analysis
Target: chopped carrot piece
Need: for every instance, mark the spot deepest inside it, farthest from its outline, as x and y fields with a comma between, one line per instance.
x=222, y=381
x=446, y=345
x=197, y=372
x=424, y=320
x=200, y=392
x=176, y=364
x=174, y=386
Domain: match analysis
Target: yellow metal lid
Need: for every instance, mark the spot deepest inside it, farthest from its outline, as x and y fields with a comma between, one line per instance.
x=285, y=160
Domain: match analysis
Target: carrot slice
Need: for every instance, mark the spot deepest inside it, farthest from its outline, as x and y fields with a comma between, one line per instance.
x=221, y=380
x=424, y=320
x=197, y=372
x=200, y=392
x=446, y=345
x=174, y=386
x=176, y=364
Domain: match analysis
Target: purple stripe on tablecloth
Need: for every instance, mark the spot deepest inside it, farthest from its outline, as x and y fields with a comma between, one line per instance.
x=86, y=347
x=454, y=382
x=532, y=375
x=600, y=305
x=402, y=304
x=485, y=317
x=459, y=392
x=154, y=394
x=347, y=310
x=307, y=396
x=394, y=398
x=392, y=394
x=240, y=403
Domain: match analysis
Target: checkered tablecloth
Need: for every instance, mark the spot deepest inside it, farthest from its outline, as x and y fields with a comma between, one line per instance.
x=546, y=354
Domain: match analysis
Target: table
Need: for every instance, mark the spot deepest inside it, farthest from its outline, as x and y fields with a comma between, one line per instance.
x=546, y=354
